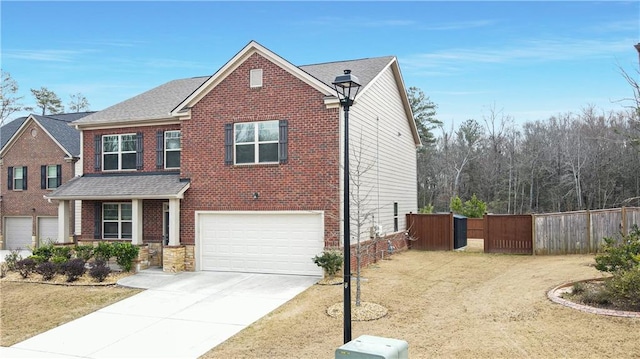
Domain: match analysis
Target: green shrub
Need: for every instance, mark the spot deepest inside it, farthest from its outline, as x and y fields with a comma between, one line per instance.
x=45, y=251
x=74, y=269
x=99, y=270
x=83, y=251
x=623, y=256
x=25, y=267
x=125, y=254
x=103, y=251
x=12, y=258
x=578, y=288
x=62, y=251
x=625, y=285
x=38, y=258
x=330, y=260
x=47, y=270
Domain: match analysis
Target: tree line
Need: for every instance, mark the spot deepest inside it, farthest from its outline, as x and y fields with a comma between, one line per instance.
x=573, y=161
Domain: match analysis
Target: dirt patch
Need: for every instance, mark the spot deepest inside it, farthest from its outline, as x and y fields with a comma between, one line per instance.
x=449, y=305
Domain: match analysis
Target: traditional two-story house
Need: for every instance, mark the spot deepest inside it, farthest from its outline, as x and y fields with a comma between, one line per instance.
x=38, y=154
x=241, y=171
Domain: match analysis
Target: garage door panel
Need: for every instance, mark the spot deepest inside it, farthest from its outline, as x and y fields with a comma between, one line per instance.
x=261, y=242
x=18, y=232
x=47, y=229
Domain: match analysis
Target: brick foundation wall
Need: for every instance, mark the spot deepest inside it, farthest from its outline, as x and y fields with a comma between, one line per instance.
x=373, y=251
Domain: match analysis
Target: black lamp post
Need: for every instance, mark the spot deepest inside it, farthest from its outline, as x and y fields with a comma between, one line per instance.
x=347, y=87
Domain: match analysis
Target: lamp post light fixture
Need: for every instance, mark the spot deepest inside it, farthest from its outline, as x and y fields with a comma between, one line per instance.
x=347, y=87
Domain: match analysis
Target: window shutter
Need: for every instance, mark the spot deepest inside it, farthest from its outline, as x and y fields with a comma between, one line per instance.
x=97, y=220
x=24, y=178
x=58, y=175
x=98, y=152
x=283, y=142
x=10, y=178
x=43, y=177
x=159, y=149
x=228, y=144
x=139, y=150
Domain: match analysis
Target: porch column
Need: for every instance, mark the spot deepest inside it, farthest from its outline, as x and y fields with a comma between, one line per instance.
x=63, y=221
x=174, y=222
x=136, y=219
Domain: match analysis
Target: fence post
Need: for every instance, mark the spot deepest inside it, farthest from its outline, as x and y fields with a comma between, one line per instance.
x=485, y=230
x=451, y=229
x=533, y=234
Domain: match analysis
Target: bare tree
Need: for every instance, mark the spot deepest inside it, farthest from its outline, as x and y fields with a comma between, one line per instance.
x=78, y=103
x=10, y=102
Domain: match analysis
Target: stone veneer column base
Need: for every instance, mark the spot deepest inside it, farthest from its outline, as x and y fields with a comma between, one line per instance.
x=142, y=262
x=173, y=259
x=155, y=254
x=1, y=241
x=190, y=258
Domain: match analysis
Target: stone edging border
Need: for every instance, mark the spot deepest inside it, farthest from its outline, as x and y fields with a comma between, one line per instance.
x=555, y=296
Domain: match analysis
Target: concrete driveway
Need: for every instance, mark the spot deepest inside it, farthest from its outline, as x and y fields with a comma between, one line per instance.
x=180, y=315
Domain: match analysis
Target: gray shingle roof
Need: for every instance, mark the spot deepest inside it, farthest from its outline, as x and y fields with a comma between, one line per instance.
x=121, y=186
x=153, y=104
x=57, y=125
x=364, y=69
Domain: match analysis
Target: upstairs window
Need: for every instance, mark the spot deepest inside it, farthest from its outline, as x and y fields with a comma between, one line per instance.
x=50, y=176
x=117, y=221
x=172, y=148
x=17, y=178
x=256, y=142
x=119, y=152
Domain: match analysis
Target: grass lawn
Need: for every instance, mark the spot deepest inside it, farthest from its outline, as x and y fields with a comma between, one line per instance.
x=444, y=304
x=449, y=305
x=27, y=309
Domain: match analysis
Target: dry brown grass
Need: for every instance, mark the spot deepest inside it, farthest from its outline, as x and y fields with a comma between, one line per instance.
x=27, y=309
x=449, y=305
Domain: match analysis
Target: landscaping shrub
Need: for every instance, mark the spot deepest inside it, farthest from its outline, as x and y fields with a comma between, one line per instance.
x=25, y=267
x=47, y=270
x=63, y=251
x=45, y=251
x=125, y=253
x=59, y=262
x=74, y=269
x=83, y=251
x=103, y=251
x=623, y=256
x=12, y=258
x=330, y=260
x=99, y=270
x=625, y=285
x=38, y=258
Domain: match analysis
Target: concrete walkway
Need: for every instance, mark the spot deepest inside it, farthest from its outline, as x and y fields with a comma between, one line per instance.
x=180, y=315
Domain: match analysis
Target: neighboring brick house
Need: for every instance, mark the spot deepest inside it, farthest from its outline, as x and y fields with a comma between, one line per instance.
x=241, y=171
x=38, y=154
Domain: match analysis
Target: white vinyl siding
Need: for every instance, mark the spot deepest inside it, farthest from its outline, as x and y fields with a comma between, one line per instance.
x=379, y=126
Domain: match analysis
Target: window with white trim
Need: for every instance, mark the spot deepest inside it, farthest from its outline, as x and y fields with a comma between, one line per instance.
x=172, y=149
x=117, y=221
x=119, y=152
x=256, y=142
x=52, y=176
x=18, y=178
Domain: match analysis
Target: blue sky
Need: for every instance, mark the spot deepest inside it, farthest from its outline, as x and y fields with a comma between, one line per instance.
x=530, y=60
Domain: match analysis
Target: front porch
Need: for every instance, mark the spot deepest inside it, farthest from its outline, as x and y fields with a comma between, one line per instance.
x=143, y=209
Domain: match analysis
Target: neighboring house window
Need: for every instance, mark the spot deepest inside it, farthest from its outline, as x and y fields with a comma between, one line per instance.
x=256, y=142
x=395, y=216
x=116, y=220
x=172, y=149
x=17, y=178
x=118, y=152
x=50, y=176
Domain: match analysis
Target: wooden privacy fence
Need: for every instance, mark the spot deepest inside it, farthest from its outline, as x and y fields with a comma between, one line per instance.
x=551, y=233
x=508, y=234
x=581, y=231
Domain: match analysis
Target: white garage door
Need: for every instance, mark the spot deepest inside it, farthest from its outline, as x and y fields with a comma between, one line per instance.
x=260, y=242
x=47, y=229
x=18, y=232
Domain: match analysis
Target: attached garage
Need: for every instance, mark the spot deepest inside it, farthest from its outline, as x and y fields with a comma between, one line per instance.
x=259, y=242
x=18, y=232
x=47, y=229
